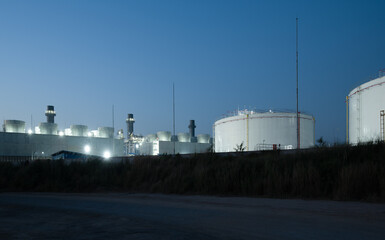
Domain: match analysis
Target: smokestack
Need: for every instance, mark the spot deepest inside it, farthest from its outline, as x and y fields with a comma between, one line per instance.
x=192, y=128
x=50, y=113
x=130, y=124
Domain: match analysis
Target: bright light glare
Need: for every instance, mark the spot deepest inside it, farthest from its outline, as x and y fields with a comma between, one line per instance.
x=61, y=133
x=106, y=154
x=87, y=149
x=29, y=131
x=90, y=134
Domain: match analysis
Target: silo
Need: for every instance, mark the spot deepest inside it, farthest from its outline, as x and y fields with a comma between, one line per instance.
x=164, y=136
x=263, y=131
x=365, y=112
x=48, y=128
x=79, y=130
x=14, y=126
x=106, y=132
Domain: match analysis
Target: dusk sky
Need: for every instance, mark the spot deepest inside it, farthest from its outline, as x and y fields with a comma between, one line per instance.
x=85, y=56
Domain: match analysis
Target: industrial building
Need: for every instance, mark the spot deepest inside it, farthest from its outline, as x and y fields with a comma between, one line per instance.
x=365, y=106
x=263, y=131
x=46, y=139
x=164, y=143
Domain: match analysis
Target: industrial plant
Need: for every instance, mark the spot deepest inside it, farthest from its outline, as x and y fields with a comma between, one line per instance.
x=243, y=130
x=46, y=139
x=365, y=110
x=163, y=142
x=183, y=143
x=254, y=131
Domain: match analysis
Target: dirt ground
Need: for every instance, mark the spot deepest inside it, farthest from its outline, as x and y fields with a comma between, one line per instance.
x=152, y=216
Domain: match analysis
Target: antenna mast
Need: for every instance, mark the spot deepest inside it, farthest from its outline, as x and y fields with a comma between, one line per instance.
x=113, y=120
x=113, y=132
x=298, y=126
x=173, y=114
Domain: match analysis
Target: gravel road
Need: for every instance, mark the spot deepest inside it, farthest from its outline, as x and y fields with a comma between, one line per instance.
x=152, y=216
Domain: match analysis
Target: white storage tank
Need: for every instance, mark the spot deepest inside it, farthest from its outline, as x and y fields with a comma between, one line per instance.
x=150, y=138
x=203, y=138
x=263, y=131
x=365, y=110
x=48, y=128
x=106, y=132
x=184, y=137
x=14, y=126
x=79, y=130
x=164, y=136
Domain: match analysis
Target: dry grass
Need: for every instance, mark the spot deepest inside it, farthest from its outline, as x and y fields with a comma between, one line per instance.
x=338, y=173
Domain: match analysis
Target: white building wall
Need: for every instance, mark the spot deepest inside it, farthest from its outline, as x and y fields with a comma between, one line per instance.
x=22, y=144
x=167, y=147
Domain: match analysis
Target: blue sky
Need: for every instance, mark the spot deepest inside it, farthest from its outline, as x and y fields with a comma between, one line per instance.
x=85, y=56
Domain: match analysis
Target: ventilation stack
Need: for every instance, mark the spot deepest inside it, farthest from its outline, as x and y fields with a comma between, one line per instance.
x=50, y=113
x=192, y=128
x=130, y=125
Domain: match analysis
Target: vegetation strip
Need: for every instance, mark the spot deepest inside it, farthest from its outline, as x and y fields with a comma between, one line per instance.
x=338, y=173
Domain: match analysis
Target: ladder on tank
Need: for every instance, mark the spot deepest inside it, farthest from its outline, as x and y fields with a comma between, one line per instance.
x=382, y=125
x=358, y=117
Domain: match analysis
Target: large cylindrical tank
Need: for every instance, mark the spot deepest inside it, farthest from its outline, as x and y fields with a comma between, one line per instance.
x=203, y=138
x=48, y=128
x=14, y=126
x=150, y=138
x=164, y=136
x=184, y=137
x=106, y=132
x=79, y=130
x=263, y=131
x=365, y=104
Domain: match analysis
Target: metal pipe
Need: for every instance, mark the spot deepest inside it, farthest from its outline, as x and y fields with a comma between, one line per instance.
x=296, y=43
x=347, y=119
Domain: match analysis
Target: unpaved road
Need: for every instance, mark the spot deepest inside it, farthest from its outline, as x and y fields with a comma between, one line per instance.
x=151, y=216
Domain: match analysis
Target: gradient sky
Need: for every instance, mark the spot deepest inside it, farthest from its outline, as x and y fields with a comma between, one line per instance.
x=85, y=56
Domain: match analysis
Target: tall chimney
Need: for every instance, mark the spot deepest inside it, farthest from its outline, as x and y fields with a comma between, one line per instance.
x=50, y=113
x=192, y=128
x=130, y=124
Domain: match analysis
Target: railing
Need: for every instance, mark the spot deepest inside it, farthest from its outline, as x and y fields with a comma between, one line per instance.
x=382, y=125
x=255, y=110
x=267, y=146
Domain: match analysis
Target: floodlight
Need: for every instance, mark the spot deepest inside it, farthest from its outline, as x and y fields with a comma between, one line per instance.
x=106, y=154
x=87, y=149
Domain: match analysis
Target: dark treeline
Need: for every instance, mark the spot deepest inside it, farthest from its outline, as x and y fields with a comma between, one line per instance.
x=338, y=173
